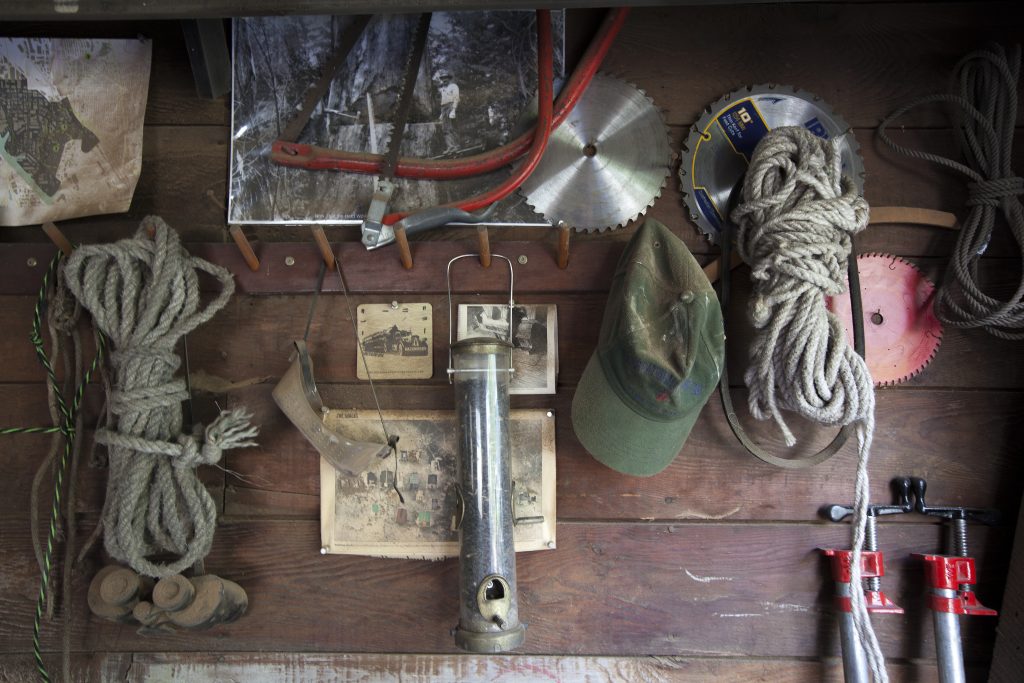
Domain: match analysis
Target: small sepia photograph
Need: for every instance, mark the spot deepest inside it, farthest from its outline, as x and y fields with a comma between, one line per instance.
x=395, y=341
x=534, y=337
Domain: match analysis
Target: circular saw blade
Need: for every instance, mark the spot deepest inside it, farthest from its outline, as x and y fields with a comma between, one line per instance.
x=719, y=146
x=607, y=162
x=901, y=332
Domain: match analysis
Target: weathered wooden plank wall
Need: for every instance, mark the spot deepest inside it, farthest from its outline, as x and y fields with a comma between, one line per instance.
x=705, y=571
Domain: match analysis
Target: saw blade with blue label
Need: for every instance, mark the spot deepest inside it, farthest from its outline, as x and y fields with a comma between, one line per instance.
x=715, y=154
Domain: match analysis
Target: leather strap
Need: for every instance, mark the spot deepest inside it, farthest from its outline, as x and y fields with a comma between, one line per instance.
x=726, y=391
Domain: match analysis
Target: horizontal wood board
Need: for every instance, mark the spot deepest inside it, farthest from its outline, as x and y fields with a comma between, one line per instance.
x=310, y=667
x=711, y=589
x=643, y=565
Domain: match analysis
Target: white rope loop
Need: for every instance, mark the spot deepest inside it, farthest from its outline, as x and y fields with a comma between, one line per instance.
x=795, y=229
x=143, y=294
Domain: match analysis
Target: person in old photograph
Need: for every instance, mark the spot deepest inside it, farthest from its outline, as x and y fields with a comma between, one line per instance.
x=488, y=321
x=448, y=90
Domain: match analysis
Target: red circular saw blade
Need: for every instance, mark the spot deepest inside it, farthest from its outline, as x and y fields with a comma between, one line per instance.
x=901, y=332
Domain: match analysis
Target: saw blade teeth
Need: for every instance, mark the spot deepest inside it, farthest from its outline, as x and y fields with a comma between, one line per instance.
x=700, y=154
x=620, y=120
x=891, y=281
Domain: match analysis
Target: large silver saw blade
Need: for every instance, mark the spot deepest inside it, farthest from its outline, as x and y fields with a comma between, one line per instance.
x=719, y=147
x=606, y=164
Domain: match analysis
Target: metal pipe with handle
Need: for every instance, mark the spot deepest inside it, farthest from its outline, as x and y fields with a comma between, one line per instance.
x=480, y=369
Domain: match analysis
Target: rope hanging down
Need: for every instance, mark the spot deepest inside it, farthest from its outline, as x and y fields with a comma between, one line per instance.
x=143, y=295
x=983, y=103
x=795, y=229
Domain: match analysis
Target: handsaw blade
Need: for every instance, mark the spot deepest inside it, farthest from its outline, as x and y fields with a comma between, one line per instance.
x=718, y=148
x=375, y=233
x=401, y=115
x=901, y=332
x=349, y=37
x=607, y=162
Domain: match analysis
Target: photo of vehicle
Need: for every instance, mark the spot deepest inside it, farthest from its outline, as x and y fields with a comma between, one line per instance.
x=395, y=341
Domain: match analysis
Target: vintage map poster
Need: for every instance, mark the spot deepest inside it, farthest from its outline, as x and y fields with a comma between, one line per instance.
x=71, y=113
x=364, y=515
x=477, y=77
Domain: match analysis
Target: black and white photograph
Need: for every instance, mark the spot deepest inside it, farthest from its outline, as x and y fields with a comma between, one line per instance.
x=365, y=516
x=477, y=76
x=534, y=340
x=395, y=341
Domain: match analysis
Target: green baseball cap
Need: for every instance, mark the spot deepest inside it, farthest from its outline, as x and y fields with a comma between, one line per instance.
x=657, y=360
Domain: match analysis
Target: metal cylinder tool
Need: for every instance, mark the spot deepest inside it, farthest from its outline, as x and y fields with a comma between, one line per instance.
x=951, y=579
x=855, y=664
x=480, y=369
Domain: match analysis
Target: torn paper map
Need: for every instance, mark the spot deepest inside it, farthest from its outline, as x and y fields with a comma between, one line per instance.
x=71, y=114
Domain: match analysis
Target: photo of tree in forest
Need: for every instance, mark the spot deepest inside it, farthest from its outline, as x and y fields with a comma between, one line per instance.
x=477, y=77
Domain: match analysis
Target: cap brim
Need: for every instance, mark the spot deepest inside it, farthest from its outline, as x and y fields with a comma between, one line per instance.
x=619, y=437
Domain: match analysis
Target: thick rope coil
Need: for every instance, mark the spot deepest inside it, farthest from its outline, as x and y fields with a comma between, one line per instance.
x=983, y=104
x=143, y=294
x=794, y=228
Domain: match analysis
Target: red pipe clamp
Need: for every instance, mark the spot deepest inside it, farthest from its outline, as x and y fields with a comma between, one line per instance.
x=956, y=574
x=871, y=567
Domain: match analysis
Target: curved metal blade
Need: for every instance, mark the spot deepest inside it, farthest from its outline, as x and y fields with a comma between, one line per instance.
x=606, y=164
x=901, y=332
x=717, y=150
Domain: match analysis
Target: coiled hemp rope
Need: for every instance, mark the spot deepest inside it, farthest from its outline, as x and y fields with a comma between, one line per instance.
x=143, y=294
x=983, y=103
x=795, y=228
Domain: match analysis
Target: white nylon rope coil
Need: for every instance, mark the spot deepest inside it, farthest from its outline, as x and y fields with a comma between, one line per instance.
x=794, y=228
x=143, y=294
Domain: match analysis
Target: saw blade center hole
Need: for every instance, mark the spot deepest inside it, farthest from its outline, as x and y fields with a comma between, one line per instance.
x=877, y=318
x=590, y=150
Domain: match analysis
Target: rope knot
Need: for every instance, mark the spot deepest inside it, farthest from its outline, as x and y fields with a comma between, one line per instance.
x=993, y=191
x=231, y=429
x=64, y=310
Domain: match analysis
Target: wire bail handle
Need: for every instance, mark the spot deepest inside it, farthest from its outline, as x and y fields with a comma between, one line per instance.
x=451, y=318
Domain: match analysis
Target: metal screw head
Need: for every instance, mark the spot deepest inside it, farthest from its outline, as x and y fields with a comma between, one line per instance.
x=551, y=544
x=323, y=550
x=550, y=414
x=522, y=259
x=289, y=261
x=394, y=304
x=31, y=262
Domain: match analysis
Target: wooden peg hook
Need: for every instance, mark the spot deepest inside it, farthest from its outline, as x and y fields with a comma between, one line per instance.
x=320, y=237
x=564, y=231
x=402, y=240
x=485, y=245
x=242, y=242
x=58, y=238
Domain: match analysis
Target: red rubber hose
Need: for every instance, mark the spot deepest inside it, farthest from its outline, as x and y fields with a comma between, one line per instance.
x=545, y=117
x=319, y=158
